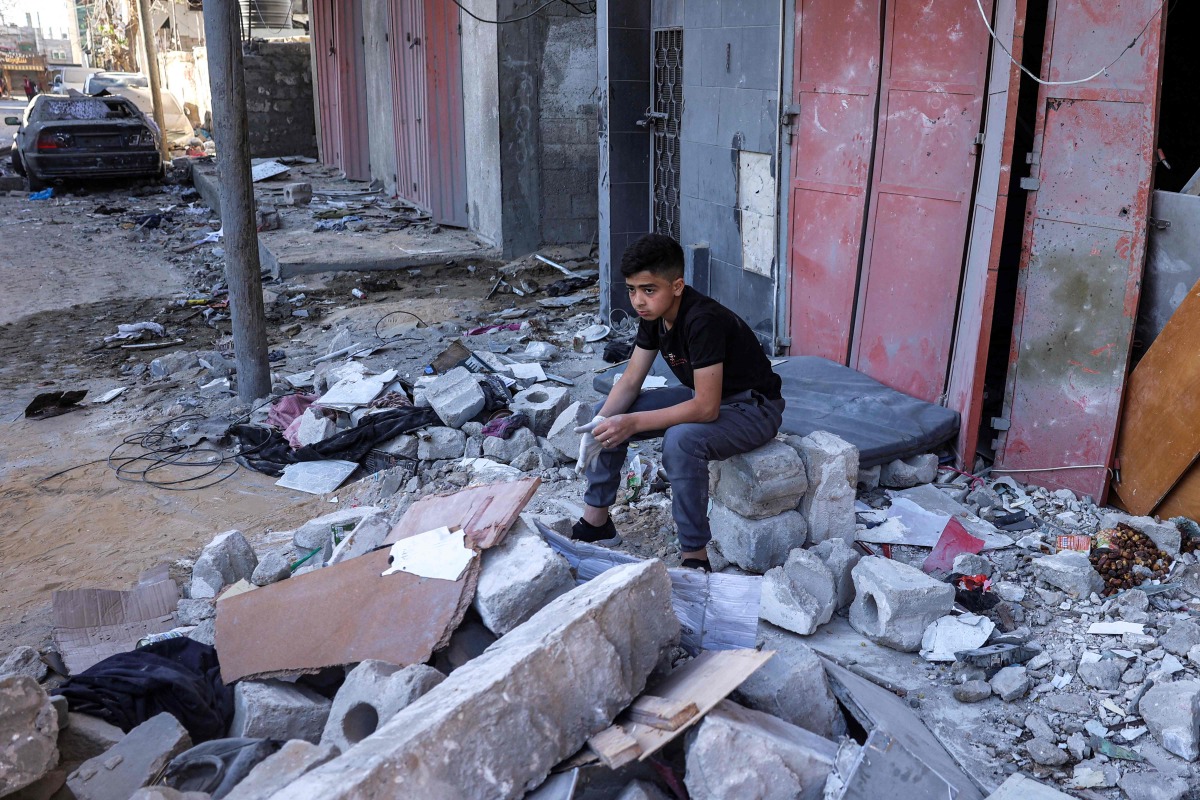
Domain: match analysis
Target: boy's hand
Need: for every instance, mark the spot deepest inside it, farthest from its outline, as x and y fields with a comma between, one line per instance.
x=615, y=430
x=589, y=447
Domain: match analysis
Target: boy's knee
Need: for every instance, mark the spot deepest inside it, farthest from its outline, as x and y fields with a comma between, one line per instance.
x=683, y=440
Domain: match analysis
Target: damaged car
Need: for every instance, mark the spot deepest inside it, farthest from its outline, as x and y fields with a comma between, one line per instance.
x=76, y=137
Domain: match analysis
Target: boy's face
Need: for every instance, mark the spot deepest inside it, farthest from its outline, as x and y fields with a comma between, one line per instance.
x=652, y=295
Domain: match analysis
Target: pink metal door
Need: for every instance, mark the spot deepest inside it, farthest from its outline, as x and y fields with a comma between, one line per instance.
x=969, y=361
x=1085, y=239
x=934, y=72
x=835, y=88
x=430, y=131
x=341, y=81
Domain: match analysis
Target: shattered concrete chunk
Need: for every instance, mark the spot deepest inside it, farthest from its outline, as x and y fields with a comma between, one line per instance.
x=905, y=473
x=1181, y=637
x=1070, y=571
x=1105, y=674
x=1172, y=712
x=972, y=691
x=440, y=444
x=738, y=752
x=314, y=427
x=640, y=790
x=227, y=559
x=195, y=610
x=280, y=768
x=519, y=577
x=799, y=596
x=506, y=450
x=85, y=737
x=318, y=532
x=24, y=660
x=373, y=693
x=972, y=564
x=831, y=469
x=271, y=569
x=1011, y=683
x=28, y=732
x=761, y=483
x=562, y=435
x=131, y=763
x=543, y=404
x=1152, y=786
x=1045, y=752
x=840, y=558
x=894, y=602
x=533, y=459
x=456, y=397
x=278, y=710
x=793, y=686
x=756, y=545
x=557, y=679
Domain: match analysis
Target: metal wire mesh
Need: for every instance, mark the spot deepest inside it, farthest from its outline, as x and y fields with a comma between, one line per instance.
x=668, y=99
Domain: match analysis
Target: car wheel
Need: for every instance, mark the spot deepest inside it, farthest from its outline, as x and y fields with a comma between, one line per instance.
x=17, y=164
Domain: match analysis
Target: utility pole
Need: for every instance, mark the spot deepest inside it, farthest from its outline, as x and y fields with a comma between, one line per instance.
x=152, y=72
x=227, y=77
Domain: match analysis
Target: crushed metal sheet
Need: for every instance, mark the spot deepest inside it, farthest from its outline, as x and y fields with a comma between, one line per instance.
x=316, y=477
x=266, y=169
x=1019, y=787
x=716, y=611
x=886, y=768
x=92, y=624
x=440, y=553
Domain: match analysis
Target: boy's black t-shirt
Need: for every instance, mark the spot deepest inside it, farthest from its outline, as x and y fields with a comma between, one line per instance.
x=707, y=333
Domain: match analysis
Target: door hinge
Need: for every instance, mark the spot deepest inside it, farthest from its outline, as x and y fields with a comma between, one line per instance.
x=1001, y=423
x=1158, y=224
x=786, y=118
x=1030, y=184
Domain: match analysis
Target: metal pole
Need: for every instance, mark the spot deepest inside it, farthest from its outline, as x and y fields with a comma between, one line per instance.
x=227, y=78
x=152, y=72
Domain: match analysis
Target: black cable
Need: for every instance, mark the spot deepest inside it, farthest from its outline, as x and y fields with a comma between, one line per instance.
x=474, y=16
x=420, y=323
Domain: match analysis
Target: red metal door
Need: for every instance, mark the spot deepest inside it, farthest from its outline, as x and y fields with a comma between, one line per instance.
x=969, y=361
x=431, y=147
x=836, y=87
x=1085, y=239
x=934, y=73
x=337, y=30
x=328, y=94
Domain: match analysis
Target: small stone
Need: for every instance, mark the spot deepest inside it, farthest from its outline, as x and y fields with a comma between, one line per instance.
x=1077, y=746
x=507, y=450
x=1181, y=637
x=227, y=559
x=562, y=436
x=799, y=596
x=28, y=732
x=840, y=558
x=1104, y=674
x=1010, y=683
x=972, y=564
x=24, y=661
x=972, y=691
x=195, y=610
x=909, y=472
x=533, y=459
x=1045, y=753
x=1152, y=786
x=1070, y=571
x=131, y=763
x=1172, y=712
x=271, y=569
x=440, y=444
x=1039, y=728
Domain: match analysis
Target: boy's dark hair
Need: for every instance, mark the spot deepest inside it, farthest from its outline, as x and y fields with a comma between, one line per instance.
x=654, y=253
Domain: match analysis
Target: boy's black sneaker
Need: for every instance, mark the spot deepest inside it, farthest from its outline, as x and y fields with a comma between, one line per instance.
x=697, y=563
x=605, y=535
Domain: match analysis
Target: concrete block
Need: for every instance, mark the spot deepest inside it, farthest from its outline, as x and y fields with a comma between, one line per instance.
x=894, y=602
x=793, y=686
x=831, y=467
x=439, y=444
x=272, y=568
x=562, y=435
x=799, y=596
x=167, y=793
x=543, y=403
x=133, y=762
x=279, y=769
x=1010, y=683
x=373, y=693
x=456, y=397
x=318, y=532
x=533, y=459
x=518, y=578
x=737, y=752
x=1104, y=675
x=193, y=611
x=1181, y=637
x=505, y=450
x=1172, y=713
x=227, y=559
x=84, y=737
x=972, y=691
x=840, y=558
x=403, y=446
x=532, y=699
x=904, y=473
x=1045, y=752
x=1153, y=785
x=297, y=194
x=868, y=478
x=756, y=544
x=28, y=733
x=314, y=427
x=972, y=564
x=24, y=660
x=278, y=710
x=1070, y=571
x=761, y=483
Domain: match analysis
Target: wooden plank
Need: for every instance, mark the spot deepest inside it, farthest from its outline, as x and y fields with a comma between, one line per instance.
x=615, y=747
x=1184, y=499
x=661, y=713
x=1159, y=438
x=484, y=512
x=704, y=681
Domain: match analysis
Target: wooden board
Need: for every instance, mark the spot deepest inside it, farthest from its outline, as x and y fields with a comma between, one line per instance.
x=342, y=614
x=615, y=747
x=661, y=713
x=1159, y=438
x=1184, y=499
x=484, y=512
x=704, y=681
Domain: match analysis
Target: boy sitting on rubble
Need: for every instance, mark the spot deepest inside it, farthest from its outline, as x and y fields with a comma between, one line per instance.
x=729, y=402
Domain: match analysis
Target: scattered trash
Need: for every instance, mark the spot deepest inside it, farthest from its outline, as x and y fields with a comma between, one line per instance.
x=53, y=404
x=441, y=553
x=44, y=194
x=1126, y=557
x=997, y=656
x=953, y=542
x=316, y=477
x=109, y=396
x=135, y=330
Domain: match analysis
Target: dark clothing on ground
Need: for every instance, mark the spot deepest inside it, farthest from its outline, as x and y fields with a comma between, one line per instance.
x=707, y=333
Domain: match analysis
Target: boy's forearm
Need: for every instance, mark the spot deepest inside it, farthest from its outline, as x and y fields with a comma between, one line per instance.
x=663, y=418
x=619, y=399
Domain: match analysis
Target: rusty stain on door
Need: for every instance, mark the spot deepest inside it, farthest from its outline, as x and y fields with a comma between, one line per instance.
x=1084, y=243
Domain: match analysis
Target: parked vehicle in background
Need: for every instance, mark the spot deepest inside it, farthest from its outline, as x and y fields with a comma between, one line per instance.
x=78, y=137
x=69, y=78
x=179, y=129
x=98, y=81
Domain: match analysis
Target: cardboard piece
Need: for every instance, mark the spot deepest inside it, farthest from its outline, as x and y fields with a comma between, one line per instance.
x=875, y=708
x=459, y=355
x=716, y=611
x=485, y=513
x=92, y=624
x=341, y=614
x=316, y=477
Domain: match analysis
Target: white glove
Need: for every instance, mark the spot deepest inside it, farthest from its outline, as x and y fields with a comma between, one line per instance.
x=589, y=448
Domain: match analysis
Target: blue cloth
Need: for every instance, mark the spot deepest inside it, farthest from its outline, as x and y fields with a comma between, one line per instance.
x=746, y=422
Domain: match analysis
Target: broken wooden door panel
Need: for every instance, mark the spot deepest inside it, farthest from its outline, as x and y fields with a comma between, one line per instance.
x=835, y=87
x=934, y=72
x=969, y=360
x=1085, y=238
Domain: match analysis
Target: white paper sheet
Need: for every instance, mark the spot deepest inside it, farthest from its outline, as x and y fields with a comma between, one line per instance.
x=440, y=553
